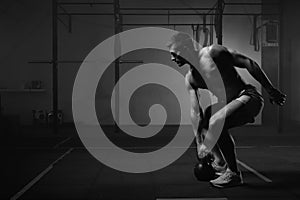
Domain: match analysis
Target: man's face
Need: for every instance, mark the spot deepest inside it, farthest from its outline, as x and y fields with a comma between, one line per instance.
x=176, y=56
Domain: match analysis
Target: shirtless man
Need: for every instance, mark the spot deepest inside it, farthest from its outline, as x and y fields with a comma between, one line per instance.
x=241, y=104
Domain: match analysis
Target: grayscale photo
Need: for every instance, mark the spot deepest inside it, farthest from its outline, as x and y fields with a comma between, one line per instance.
x=150, y=99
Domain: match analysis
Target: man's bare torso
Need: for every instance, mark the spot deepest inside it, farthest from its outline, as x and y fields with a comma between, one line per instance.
x=217, y=69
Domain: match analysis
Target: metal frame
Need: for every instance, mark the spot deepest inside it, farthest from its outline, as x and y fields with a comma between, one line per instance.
x=163, y=14
x=118, y=12
x=219, y=21
x=118, y=29
x=54, y=66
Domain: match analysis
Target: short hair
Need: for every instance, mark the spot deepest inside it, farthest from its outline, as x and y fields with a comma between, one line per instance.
x=181, y=38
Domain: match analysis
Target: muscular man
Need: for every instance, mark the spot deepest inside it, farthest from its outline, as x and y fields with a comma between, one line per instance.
x=240, y=104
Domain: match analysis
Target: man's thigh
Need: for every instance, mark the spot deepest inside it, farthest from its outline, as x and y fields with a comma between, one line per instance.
x=236, y=113
x=246, y=113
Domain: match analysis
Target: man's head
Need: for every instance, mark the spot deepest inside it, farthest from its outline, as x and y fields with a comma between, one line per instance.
x=181, y=46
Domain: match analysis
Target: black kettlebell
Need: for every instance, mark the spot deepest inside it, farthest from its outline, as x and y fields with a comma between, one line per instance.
x=203, y=170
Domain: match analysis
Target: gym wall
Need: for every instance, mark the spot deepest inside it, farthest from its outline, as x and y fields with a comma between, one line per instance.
x=289, y=64
x=28, y=37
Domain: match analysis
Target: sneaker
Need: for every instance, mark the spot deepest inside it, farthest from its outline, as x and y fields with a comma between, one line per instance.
x=219, y=170
x=228, y=179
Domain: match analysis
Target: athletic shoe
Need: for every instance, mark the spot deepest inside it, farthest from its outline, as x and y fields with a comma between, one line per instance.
x=228, y=179
x=219, y=170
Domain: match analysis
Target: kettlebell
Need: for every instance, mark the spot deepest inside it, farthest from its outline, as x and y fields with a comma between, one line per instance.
x=203, y=170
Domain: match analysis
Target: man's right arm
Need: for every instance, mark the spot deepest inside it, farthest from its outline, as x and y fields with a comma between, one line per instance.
x=254, y=69
x=196, y=110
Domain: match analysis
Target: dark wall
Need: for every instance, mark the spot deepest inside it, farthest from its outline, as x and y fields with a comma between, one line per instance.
x=27, y=36
x=270, y=57
x=290, y=63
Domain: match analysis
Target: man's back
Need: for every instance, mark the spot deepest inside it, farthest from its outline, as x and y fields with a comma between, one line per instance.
x=216, y=62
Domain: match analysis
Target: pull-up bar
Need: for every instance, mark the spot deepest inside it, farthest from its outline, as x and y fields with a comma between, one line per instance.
x=169, y=14
x=249, y=4
x=165, y=24
x=83, y=3
x=78, y=61
x=188, y=9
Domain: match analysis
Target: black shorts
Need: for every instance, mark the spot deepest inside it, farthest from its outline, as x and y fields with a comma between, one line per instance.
x=252, y=104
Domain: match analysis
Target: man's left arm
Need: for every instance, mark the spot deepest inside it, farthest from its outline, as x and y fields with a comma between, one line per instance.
x=253, y=68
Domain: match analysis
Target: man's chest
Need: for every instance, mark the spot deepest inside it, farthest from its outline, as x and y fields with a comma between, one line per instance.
x=206, y=75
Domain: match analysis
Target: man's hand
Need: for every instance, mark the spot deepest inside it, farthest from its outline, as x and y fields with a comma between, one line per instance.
x=277, y=97
x=202, y=151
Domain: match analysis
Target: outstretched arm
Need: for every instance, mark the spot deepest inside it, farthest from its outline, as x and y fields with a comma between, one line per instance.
x=197, y=117
x=254, y=69
x=196, y=112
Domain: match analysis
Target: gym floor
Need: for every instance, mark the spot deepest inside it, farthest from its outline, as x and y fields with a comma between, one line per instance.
x=40, y=165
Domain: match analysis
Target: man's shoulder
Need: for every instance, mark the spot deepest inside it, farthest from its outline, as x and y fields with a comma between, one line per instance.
x=220, y=53
x=216, y=49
